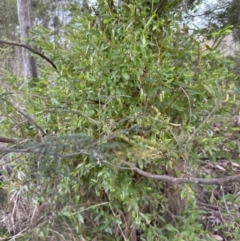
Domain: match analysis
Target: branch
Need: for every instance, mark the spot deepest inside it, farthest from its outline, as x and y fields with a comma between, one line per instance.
x=31, y=50
x=194, y=180
x=8, y=140
x=159, y=6
x=207, y=12
x=26, y=116
x=11, y=150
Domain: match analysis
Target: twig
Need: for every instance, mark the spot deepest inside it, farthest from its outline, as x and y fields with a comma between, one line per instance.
x=205, y=13
x=26, y=116
x=200, y=126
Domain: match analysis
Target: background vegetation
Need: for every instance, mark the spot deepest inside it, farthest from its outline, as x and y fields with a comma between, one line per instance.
x=135, y=89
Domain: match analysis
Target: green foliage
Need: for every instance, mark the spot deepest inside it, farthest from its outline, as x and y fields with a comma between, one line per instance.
x=132, y=86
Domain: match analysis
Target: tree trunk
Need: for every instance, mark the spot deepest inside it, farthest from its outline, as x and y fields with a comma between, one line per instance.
x=29, y=64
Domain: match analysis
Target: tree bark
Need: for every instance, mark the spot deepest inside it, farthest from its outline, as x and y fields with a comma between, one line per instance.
x=29, y=65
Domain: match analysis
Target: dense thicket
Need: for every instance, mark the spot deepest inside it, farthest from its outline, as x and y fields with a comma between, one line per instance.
x=134, y=86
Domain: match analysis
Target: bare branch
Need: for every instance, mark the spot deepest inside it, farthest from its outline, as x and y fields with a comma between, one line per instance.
x=13, y=150
x=30, y=120
x=207, y=12
x=31, y=50
x=160, y=5
x=194, y=180
x=8, y=140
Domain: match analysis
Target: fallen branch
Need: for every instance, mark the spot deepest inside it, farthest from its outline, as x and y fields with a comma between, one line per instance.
x=194, y=180
x=31, y=50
